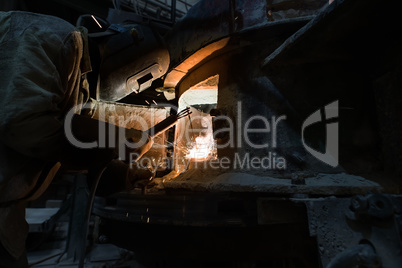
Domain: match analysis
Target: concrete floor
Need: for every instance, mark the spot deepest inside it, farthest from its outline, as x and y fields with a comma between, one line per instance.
x=48, y=249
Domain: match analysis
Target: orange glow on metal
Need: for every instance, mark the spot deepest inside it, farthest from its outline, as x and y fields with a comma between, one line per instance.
x=202, y=149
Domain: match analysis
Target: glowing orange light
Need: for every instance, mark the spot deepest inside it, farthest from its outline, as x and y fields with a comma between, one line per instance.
x=202, y=149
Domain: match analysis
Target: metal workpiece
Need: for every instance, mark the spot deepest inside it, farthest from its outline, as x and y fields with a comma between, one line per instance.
x=209, y=21
x=212, y=28
x=208, y=226
x=314, y=225
x=370, y=240
x=377, y=206
x=360, y=255
x=177, y=210
x=241, y=59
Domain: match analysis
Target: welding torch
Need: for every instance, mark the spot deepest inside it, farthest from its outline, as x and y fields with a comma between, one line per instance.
x=167, y=123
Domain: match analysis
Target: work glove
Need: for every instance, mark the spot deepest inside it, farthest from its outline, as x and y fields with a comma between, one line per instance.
x=110, y=142
x=119, y=176
x=137, y=144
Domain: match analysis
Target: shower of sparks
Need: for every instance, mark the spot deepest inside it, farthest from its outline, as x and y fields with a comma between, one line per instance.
x=202, y=149
x=97, y=22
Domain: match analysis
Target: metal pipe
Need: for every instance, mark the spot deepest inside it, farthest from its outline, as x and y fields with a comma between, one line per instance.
x=98, y=174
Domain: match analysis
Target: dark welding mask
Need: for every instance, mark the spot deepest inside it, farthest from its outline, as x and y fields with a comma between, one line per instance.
x=132, y=59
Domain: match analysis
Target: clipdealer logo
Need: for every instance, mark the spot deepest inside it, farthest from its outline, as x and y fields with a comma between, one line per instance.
x=328, y=114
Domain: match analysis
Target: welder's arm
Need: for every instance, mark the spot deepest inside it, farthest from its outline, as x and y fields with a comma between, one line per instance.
x=92, y=141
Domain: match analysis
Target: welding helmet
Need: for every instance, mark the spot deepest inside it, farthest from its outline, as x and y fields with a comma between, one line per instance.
x=132, y=57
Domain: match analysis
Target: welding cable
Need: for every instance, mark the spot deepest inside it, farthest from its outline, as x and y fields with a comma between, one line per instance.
x=89, y=211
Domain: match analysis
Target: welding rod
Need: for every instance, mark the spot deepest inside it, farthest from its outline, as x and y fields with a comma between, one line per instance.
x=167, y=123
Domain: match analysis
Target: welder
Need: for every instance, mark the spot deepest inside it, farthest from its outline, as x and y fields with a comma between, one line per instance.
x=45, y=65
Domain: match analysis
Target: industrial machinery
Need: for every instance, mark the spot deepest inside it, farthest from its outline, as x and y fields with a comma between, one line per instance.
x=291, y=156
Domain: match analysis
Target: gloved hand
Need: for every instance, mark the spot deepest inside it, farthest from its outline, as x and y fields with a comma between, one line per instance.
x=119, y=176
x=126, y=144
x=138, y=143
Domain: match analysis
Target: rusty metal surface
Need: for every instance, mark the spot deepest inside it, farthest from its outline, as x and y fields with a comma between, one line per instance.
x=336, y=232
x=199, y=180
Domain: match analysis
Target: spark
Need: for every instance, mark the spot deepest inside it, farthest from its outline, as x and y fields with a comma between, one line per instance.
x=147, y=102
x=154, y=102
x=202, y=149
x=100, y=26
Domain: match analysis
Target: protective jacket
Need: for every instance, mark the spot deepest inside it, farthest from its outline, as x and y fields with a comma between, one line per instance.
x=43, y=62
